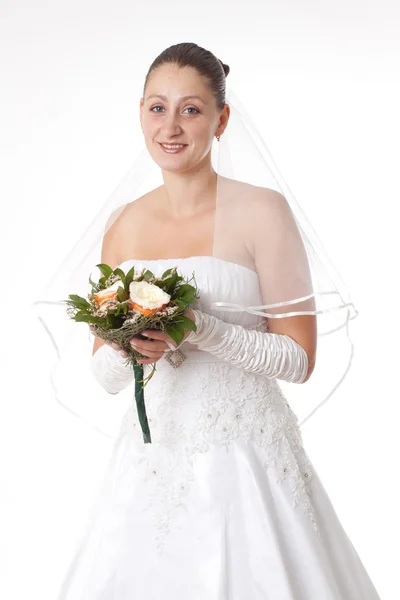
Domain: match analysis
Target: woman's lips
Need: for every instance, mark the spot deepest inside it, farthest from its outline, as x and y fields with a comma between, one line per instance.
x=170, y=149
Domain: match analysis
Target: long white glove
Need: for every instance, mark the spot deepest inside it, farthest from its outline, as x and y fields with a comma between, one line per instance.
x=110, y=370
x=274, y=355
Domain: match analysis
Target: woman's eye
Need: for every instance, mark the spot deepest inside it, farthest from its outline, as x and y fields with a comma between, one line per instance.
x=191, y=108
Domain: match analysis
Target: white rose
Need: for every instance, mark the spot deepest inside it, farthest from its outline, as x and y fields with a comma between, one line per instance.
x=147, y=295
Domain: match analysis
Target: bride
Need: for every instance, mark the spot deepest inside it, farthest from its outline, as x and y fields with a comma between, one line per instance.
x=225, y=504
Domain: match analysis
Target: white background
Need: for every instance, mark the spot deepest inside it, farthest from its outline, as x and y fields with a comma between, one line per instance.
x=321, y=80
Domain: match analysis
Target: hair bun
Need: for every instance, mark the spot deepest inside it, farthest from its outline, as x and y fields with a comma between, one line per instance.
x=225, y=67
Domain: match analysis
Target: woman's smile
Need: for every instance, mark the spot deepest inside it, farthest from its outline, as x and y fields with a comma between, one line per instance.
x=172, y=148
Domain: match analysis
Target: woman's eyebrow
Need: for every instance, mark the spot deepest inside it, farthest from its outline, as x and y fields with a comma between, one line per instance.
x=182, y=98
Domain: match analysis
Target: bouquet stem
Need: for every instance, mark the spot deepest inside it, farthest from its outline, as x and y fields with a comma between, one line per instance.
x=140, y=405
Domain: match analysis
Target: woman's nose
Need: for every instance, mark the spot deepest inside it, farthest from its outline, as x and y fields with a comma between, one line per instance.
x=172, y=124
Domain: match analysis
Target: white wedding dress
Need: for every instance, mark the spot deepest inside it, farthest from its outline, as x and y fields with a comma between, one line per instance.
x=224, y=504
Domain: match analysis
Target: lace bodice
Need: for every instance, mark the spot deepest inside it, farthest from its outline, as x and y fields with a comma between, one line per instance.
x=208, y=405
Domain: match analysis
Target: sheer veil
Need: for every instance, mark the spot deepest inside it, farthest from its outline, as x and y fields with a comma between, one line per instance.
x=260, y=225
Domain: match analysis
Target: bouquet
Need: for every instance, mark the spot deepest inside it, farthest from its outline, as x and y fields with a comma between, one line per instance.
x=121, y=305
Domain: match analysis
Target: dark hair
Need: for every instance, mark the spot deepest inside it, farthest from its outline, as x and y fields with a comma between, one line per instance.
x=188, y=54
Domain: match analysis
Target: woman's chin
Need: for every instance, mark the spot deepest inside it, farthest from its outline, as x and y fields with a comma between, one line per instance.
x=171, y=163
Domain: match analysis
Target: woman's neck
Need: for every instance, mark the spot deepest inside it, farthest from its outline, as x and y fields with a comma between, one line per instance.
x=191, y=192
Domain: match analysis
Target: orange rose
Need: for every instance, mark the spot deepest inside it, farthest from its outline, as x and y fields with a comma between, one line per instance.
x=109, y=293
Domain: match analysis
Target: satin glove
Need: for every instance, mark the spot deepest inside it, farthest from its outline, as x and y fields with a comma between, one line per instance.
x=274, y=355
x=110, y=370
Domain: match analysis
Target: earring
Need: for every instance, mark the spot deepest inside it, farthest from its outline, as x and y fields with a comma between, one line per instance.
x=218, y=137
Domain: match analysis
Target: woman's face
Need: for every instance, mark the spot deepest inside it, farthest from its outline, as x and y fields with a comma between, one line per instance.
x=178, y=108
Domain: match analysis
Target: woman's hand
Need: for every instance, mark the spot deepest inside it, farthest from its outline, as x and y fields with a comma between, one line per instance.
x=155, y=347
x=159, y=342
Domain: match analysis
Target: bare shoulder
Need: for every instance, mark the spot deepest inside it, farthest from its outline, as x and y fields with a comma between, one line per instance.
x=254, y=201
x=242, y=190
x=126, y=226
x=137, y=209
x=132, y=215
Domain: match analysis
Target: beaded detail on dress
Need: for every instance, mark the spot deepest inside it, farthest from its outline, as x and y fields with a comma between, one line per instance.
x=213, y=404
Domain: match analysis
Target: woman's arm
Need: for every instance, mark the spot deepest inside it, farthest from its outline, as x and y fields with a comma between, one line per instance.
x=288, y=350
x=283, y=269
x=276, y=356
x=109, y=256
x=303, y=330
x=108, y=362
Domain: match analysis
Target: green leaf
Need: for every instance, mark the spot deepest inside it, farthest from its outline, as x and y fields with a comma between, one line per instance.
x=187, y=323
x=83, y=317
x=180, y=303
x=171, y=283
x=122, y=294
x=129, y=277
x=188, y=298
x=167, y=272
x=78, y=301
x=121, y=274
x=111, y=322
x=176, y=332
x=93, y=284
x=77, y=298
x=105, y=269
x=147, y=275
x=184, y=289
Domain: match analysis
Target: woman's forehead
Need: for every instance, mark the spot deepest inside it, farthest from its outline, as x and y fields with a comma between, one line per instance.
x=184, y=82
